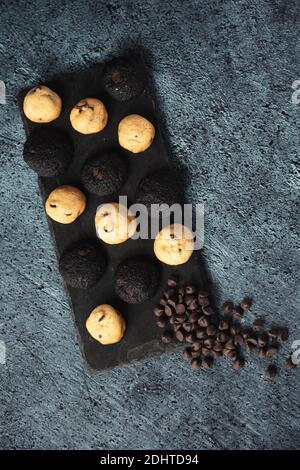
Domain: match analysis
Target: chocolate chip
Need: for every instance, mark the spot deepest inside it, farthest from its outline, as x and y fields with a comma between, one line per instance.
x=163, y=302
x=172, y=302
x=190, y=338
x=271, y=351
x=237, y=312
x=262, y=353
x=209, y=343
x=172, y=281
x=271, y=371
x=176, y=327
x=180, y=308
x=229, y=344
x=194, y=317
x=202, y=294
x=238, y=340
x=188, y=298
x=218, y=346
x=231, y=354
x=169, y=310
x=162, y=321
x=181, y=291
x=170, y=293
x=180, y=318
x=223, y=325
x=227, y=306
x=246, y=303
x=187, y=326
x=193, y=304
x=158, y=311
x=279, y=334
x=289, y=364
x=222, y=337
x=206, y=351
x=262, y=340
x=235, y=329
x=249, y=346
x=201, y=333
x=197, y=345
x=211, y=330
x=216, y=354
x=196, y=363
x=167, y=337
x=208, y=311
x=257, y=325
x=239, y=363
x=190, y=289
x=187, y=354
x=203, y=321
x=207, y=362
x=180, y=334
x=203, y=301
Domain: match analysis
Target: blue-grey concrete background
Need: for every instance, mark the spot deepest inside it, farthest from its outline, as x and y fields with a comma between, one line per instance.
x=223, y=72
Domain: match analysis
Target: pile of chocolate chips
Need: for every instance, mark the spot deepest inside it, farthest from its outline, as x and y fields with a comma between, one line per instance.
x=185, y=314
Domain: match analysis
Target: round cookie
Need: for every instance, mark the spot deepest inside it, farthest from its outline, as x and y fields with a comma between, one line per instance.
x=42, y=104
x=114, y=223
x=123, y=79
x=106, y=325
x=82, y=264
x=89, y=116
x=65, y=204
x=160, y=187
x=137, y=279
x=135, y=133
x=104, y=174
x=174, y=244
x=48, y=151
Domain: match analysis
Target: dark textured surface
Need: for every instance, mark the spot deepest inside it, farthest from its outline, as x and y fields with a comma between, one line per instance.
x=223, y=72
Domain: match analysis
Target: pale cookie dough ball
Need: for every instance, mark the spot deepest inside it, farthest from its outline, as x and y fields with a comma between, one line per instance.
x=135, y=133
x=42, y=104
x=89, y=116
x=106, y=325
x=174, y=244
x=114, y=223
x=65, y=204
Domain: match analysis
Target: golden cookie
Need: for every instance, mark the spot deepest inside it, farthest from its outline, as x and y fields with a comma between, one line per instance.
x=174, y=244
x=89, y=116
x=42, y=104
x=135, y=133
x=65, y=203
x=114, y=223
x=106, y=325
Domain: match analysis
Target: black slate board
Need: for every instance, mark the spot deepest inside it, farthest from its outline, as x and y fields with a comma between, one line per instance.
x=142, y=337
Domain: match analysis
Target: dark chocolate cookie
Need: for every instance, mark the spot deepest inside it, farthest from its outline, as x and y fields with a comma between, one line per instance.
x=82, y=264
x=48, y=151
x=137, y=279
x=123, y=78
x=104, y=174
x=160, y=187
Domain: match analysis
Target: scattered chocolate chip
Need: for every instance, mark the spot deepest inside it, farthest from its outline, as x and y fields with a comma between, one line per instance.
x=172, y=302
x=197, y=345
x=209, y=343
x=180, y=334
x=283, y=335
x=187, y=354
x=187, y=326
x=202, y=293
x=249, y=346
x=190, y=338
x=262, y=340
x=237, y=312
x=223, y=325
x=167, y=337
x=231, y=354
x=227, y=307
x=181, y=318
x=158, y=311
x=169, y=310
x=246, y=303
x=195, y=353
x=170, y=293
x=262, y=352
x=238, y=340
x=206, y=351
x=289, y=364
x=229, y=344
x=238, y=363
x=216, y=354
x=190, y=289
x=163, y=302
x=194, y=317
x=271, y=371
x=180, y=308
x=207, y=362
x=222, y=337
x=201, y=333
x=271, y=351
x=279, y=334
x=203, y=321
x=193, y=304
x=203, y=301
x=208, y=311
x=257, y=325
x=218, y=346
x=162, y=321
x=172, y=281
x=235, y=329
x=196, y=363
x=188, y=298
x=181, y=291
x=211, y=330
